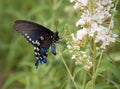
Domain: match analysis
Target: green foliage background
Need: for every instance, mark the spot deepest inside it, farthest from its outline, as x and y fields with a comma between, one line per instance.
x=17, y=70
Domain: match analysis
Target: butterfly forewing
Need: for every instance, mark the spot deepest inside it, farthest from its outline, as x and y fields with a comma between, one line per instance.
x=31, y=31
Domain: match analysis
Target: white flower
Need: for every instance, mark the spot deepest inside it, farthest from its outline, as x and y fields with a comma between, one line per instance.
x=114, y=35
x=83, y=2
x=80, y=4
x=77, y=5
x=84, y=56
x=73, y=37
x=69, y=46
x=90, y=63
x=71, y=0
x=73, y=56
x=81, y=33
x=104, y=35
x=84, y=19
x=96, y=24
x=83, y=52
x=87, y=67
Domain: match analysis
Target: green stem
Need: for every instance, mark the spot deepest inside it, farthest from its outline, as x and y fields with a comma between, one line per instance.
x=99, y=61
x=69, y=73
x=84, y=80
x=94, y=66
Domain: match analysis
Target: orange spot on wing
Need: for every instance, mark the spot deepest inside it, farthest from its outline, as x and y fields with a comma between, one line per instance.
x=46, y=53
x=42, y=38
x=38, y=43
x=38, y=49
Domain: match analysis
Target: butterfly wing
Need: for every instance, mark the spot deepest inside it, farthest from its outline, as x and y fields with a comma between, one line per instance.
x=38, y=36
x=41, y=49
x=31, y=31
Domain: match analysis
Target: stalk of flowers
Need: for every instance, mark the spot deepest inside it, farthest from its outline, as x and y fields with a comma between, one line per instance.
x=95, y=25
x=81, y=57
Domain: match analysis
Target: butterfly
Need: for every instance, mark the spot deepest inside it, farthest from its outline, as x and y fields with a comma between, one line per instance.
x=40, y=37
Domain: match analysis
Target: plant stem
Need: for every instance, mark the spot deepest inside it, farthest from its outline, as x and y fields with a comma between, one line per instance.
x=99, y=61
x=69, y=73
x=94, y=66
x=84, y=80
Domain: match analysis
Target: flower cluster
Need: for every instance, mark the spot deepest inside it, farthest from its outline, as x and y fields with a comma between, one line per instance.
x=95, y=23
x=81, y=57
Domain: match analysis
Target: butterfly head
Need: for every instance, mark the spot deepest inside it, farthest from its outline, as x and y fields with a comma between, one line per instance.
x=55, y=37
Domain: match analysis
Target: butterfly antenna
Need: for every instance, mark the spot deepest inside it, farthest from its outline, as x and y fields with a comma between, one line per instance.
x=56, y=24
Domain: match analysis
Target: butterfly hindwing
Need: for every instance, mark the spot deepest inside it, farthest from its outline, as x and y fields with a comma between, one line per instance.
x=41, y=52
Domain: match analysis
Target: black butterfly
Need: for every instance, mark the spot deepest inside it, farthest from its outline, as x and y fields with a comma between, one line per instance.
x=40, y=37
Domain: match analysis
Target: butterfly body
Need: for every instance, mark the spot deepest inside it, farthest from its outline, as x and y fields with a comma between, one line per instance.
x=40, y=37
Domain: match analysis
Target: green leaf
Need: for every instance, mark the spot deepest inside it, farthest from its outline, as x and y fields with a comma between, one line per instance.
x=76, y=71
x=107, y=66
x=101, y=85
x=89, y=85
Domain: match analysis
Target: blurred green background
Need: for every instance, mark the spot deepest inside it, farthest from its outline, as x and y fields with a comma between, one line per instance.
x=17, y=70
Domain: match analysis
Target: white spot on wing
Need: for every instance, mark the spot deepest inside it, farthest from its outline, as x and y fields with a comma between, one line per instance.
x=33, y=42
x=35, y=48
x=28, y=37
x=37, y=58
x=36, y=41
x=25, y=34
x=36, y=53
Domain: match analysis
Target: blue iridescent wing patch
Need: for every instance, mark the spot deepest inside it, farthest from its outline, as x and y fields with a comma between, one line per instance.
x=41, y=52
x=40, y=37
